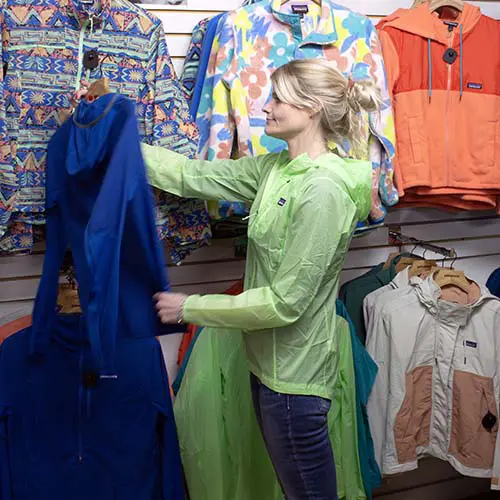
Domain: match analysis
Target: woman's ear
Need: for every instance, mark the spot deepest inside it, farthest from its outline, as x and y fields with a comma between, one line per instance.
x=313, y=112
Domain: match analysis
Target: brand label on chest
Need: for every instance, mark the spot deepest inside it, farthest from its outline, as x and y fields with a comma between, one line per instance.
x=300, y=9
x=281, y=202
x=475, y=86
x=470, y=343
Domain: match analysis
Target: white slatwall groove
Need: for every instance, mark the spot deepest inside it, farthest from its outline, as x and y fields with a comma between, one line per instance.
x=475, y=237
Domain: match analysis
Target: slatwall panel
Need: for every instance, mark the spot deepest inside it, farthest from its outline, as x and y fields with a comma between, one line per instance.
x=180, y=21
x=475, y=237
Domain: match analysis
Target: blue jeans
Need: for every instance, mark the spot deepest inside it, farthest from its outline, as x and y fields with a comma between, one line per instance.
x=295, y=430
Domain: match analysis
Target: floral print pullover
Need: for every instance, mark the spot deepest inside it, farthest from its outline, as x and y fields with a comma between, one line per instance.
x=250, y=44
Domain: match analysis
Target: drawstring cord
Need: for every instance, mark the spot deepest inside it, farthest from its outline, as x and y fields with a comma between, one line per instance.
x=461, y=63
x=429, y=68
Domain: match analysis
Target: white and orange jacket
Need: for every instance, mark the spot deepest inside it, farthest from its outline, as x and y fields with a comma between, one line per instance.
x=438, y=379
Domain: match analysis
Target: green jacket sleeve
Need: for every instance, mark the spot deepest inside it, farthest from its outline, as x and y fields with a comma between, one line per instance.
x=229, y=180
x=321, y=218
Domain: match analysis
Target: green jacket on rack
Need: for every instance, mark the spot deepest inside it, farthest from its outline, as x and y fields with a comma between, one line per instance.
x=223, y=454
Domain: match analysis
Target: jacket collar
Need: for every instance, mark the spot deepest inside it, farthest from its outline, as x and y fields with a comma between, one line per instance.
x=422, y=22
x=402, y=278
x=82, y=11
x=325, y=32
x=430, y=295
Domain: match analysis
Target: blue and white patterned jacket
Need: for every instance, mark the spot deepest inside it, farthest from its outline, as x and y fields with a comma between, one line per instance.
x=44, y=42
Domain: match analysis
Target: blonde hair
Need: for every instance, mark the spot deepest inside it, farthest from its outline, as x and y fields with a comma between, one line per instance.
x=317, y=85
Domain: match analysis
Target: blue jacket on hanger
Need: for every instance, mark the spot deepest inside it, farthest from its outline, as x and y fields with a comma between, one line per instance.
x=66, y=434
x=206, y=50
x=85, y=409
x=493, y=283
x=99, y=203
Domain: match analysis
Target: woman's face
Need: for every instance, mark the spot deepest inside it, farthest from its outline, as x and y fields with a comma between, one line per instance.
x=284, y=121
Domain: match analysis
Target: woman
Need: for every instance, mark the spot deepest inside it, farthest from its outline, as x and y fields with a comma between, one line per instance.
x=305, y=204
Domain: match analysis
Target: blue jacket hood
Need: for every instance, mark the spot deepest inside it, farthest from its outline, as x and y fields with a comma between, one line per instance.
x=89, y=138
x=100, y=205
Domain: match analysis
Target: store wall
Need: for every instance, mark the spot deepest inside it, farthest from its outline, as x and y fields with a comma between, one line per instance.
x=474, y=236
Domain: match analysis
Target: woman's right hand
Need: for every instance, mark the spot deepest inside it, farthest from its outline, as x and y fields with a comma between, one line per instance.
x=170, y=306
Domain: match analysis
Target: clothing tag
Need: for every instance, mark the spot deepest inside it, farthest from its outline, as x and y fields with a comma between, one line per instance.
x=476, y=86
x=300, y=9
x=281, y=202
x=469, y=343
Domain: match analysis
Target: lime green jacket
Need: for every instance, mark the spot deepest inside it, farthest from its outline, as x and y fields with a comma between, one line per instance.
x=223, y=453
x=301, y=222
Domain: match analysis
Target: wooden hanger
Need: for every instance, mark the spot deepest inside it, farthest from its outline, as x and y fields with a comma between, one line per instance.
x=419, y=267
x=447, y=9
x=404, y=262
x=454, y=4
x=68, y=301
x=389, y=260
x=445, y=277
x=97, y=89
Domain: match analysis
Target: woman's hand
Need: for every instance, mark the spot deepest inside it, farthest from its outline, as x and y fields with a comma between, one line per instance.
x=169, y=306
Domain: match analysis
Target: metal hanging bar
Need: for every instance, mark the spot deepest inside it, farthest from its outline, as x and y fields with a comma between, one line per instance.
x=397, y=238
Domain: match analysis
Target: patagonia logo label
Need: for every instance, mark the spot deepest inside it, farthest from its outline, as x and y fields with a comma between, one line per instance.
x=300, y=9
x=475, y=86
x=469, y=343
x=281, y=202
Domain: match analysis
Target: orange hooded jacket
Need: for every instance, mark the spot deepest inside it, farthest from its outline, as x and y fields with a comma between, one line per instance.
x=446, y=113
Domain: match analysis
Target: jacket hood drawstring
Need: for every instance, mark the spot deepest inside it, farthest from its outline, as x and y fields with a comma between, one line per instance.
x=429, y=65
x=461, y=62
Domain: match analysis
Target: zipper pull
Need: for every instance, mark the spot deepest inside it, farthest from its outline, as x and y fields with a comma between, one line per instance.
x=250, y=216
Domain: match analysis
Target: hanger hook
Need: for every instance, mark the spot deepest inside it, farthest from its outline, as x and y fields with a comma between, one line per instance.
x=454, y=257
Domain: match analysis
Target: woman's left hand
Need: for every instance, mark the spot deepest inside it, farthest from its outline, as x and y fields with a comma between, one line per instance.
x=169, y=306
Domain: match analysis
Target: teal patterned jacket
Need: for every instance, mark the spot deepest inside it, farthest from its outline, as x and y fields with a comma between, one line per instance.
x=43, y=46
